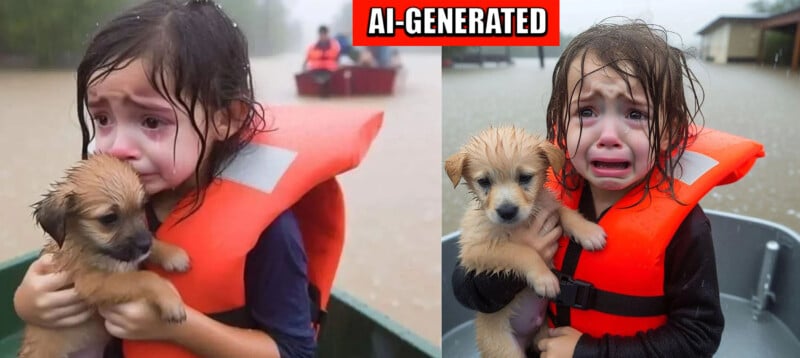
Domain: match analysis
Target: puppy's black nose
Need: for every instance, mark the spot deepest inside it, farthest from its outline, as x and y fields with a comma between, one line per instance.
x=142, y=241
x=507, y=211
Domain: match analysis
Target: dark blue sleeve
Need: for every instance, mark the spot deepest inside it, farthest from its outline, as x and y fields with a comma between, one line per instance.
x=276, y=288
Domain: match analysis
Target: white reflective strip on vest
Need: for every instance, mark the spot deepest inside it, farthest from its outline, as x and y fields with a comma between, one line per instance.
x=259, y=166
x=693, y=165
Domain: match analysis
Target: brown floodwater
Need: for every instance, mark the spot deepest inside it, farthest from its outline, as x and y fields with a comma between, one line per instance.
x=759, y=102
x=391, y=259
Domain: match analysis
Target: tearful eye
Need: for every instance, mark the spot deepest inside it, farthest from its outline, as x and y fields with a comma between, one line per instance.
x=636, y=115
x=108, y=219
x=585, y=113
x=151, y=123
x=101, y=120
x=484, y=183
x=525, y=179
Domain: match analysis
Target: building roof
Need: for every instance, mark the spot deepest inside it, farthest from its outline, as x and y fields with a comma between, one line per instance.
x=782, y=19
x=730, y=19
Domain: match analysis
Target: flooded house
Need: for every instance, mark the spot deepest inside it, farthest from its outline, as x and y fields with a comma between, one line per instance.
x=771, y=39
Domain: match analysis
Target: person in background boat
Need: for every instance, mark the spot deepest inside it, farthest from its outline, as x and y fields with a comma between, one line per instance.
x=347, y=53
x=379, y=56
x=322, y=58
x=167, y=87
x=624, y=122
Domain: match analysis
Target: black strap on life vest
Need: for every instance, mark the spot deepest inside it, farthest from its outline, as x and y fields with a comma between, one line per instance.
x=583, y=295
x=318, y=314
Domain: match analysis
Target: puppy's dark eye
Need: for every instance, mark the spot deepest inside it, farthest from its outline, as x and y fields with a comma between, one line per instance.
x=108, y=219
x=484, y=183
x=525, y=179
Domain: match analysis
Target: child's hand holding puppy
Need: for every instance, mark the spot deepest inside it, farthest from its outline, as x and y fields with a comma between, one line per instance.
x=138, y=320
x=43, y=300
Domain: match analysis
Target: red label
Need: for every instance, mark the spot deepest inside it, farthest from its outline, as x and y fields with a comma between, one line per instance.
x=455, y=23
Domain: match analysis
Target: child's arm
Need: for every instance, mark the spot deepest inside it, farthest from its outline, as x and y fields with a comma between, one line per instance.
x=42, y=299
x=489, y=293
x=695, y=321
x=485, y=292
x=200, y=334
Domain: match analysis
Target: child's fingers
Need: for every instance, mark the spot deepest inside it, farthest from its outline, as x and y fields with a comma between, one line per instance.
x=559, y=331
x=43, y=265
x=542, y=345
x=551, y=238
x=51, y=282
x=541, y=217
x=58, y=299
x=549, y=223
x=64, y=313
x=73, y=320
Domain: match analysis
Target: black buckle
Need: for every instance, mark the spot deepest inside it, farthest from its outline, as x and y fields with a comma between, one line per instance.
x=575, y=293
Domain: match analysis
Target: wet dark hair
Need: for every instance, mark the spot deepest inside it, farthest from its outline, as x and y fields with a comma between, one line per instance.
x=638, y=52
x=194, y=55
x=322, y=30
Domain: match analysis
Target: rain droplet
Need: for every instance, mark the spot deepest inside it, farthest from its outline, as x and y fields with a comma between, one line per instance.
x=219, y=6
x=96, y=24
x=138, y=17
x=235, y=25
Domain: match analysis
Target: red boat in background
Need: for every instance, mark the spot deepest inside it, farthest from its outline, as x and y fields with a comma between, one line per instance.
x=349, y=80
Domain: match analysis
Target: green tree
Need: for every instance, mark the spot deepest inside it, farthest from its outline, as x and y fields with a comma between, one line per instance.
x=774, y=7
x=52, y=32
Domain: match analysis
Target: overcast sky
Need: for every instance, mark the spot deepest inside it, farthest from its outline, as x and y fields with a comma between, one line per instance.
x=685, y=17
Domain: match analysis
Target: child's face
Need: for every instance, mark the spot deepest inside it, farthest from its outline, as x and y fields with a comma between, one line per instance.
x=607, y=140
x=134, y=123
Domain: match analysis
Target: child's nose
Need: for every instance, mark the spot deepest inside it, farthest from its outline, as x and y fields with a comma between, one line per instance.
x=124, y=147
x=609, y=134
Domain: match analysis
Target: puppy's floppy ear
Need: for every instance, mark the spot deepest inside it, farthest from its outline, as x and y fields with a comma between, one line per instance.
x=549, y=152
x=454, y=166
x=51, y=214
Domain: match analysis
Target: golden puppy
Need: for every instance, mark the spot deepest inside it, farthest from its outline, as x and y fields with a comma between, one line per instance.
x=505, y=169
x=97, y=222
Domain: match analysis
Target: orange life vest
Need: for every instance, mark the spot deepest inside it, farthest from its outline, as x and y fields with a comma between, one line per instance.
x=620, y=289
x=294, y=167
x=318, y=58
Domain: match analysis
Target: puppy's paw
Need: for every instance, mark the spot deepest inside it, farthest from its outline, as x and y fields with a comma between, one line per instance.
x=172, y=310
x=178, y=261
x=591, y=236
x=545, y=285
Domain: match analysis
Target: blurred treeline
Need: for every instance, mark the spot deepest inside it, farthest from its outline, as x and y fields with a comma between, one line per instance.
x=449, y=52
x=54, y=33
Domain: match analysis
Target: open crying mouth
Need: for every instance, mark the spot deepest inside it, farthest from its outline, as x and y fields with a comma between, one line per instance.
x=611, y=165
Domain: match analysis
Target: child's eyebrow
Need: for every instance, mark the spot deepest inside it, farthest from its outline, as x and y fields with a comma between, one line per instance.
x=146, y=103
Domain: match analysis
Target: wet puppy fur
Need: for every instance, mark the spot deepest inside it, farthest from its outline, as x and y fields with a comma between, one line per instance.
x=95, y=217
x=505, y=169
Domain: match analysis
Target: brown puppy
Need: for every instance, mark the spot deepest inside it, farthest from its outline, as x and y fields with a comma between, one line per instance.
x=505, y=169
x=96, y=220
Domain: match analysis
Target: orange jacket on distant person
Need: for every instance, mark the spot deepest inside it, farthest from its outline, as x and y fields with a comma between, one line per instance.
x=293, y=166
x=323, y=56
